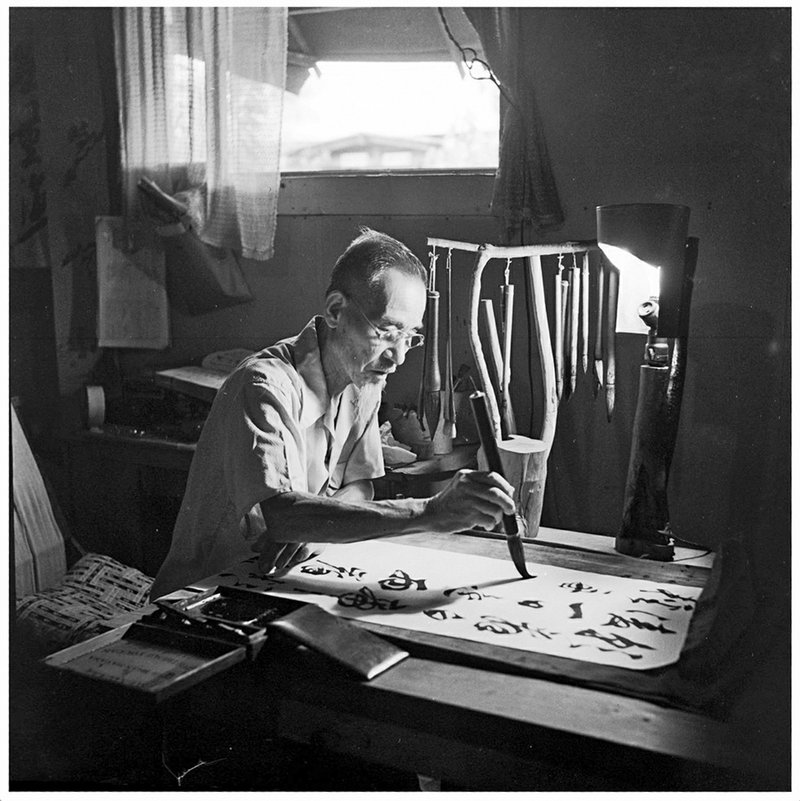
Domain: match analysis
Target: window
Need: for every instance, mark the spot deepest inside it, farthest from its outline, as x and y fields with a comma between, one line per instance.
x=384, y=89
x=389, y=115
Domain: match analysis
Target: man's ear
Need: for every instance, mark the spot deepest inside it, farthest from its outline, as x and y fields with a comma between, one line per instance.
x=334, y=304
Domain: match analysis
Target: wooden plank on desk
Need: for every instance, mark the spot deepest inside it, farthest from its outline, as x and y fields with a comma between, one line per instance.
x=484, y=730
x=402, y=745
x=612, y=564
x=578, y=711
x=565, y=538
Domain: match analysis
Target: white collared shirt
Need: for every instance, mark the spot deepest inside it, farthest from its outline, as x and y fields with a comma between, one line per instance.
x=272, y=428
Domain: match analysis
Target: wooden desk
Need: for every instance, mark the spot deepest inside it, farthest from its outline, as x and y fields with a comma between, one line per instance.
x=485, y=730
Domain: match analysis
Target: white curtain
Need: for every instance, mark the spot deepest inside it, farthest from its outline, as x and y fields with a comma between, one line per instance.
x=201, y=100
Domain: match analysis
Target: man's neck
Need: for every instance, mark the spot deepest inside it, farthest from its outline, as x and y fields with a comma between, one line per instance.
x=336, y=377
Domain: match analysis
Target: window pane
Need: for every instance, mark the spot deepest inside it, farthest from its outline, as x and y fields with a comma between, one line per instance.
x=374, y=115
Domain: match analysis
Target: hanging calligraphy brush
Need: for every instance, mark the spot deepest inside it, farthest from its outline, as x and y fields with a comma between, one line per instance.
x=450, y=401
x=598, y=331
x=585, y=312
x=506, y=414
x=565, y=284
x=432, y=379
x=575, y=296
x=558, y=334
x=423, y=388
x=611, y=337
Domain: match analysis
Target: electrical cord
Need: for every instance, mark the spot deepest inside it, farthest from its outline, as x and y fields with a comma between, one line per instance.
x=470, y=57
x=690, y=558
x=705, y=551
x=687, y=543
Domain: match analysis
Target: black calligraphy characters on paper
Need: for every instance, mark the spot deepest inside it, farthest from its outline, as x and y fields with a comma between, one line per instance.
x=441, y=614
x=401, y=581
x=579, y=586
x=321, y=568
x=498, y=625
x=471, y=593
x=616, y=642
x=567, y=613
x=621, y=622
x=366, y=600
x=667, y=599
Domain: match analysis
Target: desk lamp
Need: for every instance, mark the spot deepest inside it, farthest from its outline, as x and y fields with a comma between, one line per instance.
x=651, y=238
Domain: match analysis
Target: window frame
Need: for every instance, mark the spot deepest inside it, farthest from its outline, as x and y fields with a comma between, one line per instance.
x=414, y=193
x=403, y=192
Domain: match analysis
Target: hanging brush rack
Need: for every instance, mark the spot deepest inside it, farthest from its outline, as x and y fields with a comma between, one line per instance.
x=533, y=254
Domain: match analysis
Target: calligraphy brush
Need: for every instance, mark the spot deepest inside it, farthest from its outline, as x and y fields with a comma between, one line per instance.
x=585, y=312
x=598, y=335
x=564, y=344
x=432, y=399
x=507, y=415
x=492, y=453
x=574, y=300
x=558, y=332
x=450, y=401
x=611, y=336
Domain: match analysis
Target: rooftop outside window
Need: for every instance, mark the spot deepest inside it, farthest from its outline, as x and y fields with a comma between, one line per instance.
x=365, y=116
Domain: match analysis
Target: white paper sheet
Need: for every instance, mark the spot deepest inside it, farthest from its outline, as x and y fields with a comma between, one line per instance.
x=568, y=613
x=133, y=311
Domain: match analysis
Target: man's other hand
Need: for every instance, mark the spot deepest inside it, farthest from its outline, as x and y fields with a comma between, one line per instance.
x=284, y=555
x=472, y=499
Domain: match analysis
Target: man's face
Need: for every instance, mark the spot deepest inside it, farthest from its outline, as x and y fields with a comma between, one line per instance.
x=368, y=358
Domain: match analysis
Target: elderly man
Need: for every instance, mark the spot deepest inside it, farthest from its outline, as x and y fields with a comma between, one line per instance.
x=291, y=443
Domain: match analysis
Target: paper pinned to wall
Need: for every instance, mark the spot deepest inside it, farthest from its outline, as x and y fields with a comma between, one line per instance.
x=133, y=310
x=591, y=617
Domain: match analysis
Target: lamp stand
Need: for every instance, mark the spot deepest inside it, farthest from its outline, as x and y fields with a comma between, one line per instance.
x=645, y=529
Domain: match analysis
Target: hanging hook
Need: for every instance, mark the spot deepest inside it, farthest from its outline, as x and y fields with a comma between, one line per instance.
x=432, y=268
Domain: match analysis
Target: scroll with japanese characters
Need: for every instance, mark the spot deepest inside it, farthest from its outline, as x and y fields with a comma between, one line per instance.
x=579, y=615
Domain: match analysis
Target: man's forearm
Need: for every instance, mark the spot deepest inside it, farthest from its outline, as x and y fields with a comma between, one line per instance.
x=470, y=499
x=302, y=517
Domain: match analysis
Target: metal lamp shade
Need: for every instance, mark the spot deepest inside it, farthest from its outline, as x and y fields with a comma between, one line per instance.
x=655, y=233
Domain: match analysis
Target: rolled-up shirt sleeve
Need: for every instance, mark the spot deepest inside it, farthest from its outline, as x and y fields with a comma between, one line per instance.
x=363, y=461
x=263, y=448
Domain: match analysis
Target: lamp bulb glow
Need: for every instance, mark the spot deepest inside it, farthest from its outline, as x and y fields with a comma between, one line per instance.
x=638, y=282
x=633, y=267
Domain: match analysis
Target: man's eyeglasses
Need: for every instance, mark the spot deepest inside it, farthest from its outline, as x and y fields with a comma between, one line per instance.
x=392, y=336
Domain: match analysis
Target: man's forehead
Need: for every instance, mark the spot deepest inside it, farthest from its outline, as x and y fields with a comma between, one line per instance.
x=400, y=294
x=395, y=284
